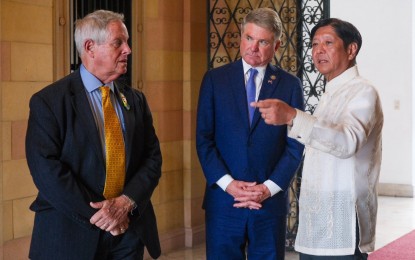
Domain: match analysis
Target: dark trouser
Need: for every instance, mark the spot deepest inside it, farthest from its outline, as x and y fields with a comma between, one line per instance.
x=250, y=234
x=356, y=256
x=123, y=247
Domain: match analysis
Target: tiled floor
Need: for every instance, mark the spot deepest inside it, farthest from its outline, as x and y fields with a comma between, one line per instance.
x=396, y=217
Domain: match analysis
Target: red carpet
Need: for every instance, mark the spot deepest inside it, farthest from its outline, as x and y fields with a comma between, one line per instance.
x=401, y=249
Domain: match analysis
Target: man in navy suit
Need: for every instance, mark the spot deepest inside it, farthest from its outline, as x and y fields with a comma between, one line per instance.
x=65, y=148
x=248, y=164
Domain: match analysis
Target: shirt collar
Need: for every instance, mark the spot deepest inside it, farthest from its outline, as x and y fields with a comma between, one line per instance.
x=340, y=80
x=91, y=82
x=247, y=67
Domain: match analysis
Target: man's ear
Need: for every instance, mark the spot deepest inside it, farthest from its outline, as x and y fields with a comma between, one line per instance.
x=352, y=51
x=277, y=45
x=89, y=47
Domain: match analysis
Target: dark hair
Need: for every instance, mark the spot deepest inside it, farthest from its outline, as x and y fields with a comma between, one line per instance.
x=344, y=30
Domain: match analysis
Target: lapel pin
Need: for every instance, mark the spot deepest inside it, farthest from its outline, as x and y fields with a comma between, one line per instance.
x=124, y=101
x=273, y=77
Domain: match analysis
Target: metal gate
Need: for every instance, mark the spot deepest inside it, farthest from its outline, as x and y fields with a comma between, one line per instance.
x=298, y=17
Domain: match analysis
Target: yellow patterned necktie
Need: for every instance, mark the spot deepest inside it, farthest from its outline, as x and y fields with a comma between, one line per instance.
x=114, y=147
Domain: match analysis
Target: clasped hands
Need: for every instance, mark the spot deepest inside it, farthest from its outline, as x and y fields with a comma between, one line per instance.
x=112, y=215
x=248, y=194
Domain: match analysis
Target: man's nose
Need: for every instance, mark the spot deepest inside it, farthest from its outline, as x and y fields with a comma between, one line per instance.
x=255, y=46
x=318, y=48
x=127, y=49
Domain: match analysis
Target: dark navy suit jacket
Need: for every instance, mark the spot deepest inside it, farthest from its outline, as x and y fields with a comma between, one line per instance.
x=66, y=161
x=227, y=144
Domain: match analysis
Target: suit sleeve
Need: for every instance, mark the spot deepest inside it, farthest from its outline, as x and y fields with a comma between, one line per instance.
x=58, y=187
x=210, y=159
x=291, y=157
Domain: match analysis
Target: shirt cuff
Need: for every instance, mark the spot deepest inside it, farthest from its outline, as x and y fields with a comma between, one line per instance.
x=272, y=186
x=302, y=127
x=132, y=203
x=224, y=181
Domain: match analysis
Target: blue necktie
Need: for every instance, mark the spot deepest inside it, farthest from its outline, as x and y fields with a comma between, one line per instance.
x=250, y=92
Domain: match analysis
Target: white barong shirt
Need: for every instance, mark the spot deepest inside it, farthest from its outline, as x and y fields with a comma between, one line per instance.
x=341, y=167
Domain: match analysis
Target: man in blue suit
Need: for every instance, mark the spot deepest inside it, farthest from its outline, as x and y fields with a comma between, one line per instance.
x=66, y=153
x=248, y=164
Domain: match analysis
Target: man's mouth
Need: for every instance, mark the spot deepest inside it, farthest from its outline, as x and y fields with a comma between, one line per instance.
x=252, y=55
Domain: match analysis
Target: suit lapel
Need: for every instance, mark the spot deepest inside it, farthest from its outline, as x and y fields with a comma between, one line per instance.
x=269, y=85
x=125, y=99
x=83, y=111
x=238, y=88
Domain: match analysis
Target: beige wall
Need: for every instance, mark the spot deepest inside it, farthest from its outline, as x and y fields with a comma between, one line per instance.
x=173, y=62
x=394, y=77
x=26, y=66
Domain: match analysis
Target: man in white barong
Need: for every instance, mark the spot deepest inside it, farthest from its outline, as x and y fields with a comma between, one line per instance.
x=338, y=200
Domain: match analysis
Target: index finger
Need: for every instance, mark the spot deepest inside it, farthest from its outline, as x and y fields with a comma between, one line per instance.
x=262, y=103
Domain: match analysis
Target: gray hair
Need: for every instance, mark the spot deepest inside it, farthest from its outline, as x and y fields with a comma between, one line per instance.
x=266, y=18
x=94, y=26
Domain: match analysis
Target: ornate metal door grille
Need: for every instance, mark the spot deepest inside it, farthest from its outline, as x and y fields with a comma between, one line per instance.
x=80, y=8
x=298, y=18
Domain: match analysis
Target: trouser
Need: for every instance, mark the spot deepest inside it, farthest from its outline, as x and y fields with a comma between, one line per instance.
x=127, y=246
x=250, y=234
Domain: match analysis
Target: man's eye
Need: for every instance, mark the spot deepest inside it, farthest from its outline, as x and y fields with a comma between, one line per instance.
x=264, y=43
x=117, y=43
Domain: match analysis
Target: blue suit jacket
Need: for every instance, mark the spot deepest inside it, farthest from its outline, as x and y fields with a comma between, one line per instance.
x=65, y=158
x=227, y=144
